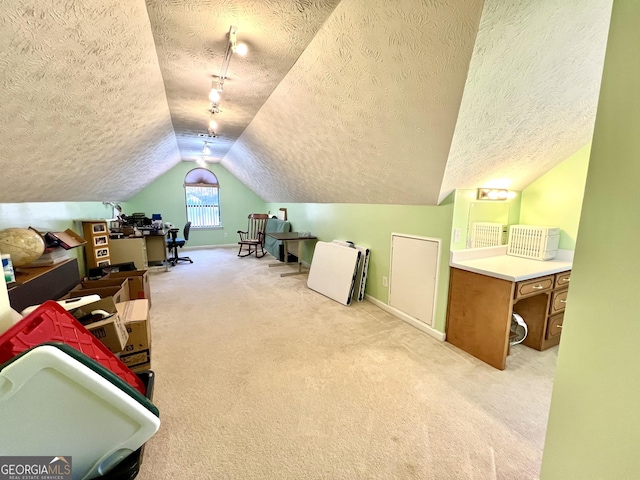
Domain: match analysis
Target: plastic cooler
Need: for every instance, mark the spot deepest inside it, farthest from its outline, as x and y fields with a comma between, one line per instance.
x=129, y=468
x=55, y=395
x=52, y=323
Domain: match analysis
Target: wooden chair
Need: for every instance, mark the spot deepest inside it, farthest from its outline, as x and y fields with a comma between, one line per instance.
x=253, y=238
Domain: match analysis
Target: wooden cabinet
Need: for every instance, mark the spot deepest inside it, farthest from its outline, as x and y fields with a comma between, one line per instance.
x=37, y=285
x=97, y=249
x=481, y=306
x=544, y=315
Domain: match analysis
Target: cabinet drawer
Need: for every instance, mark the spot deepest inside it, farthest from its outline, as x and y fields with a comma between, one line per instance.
x=562, y=279
x=554, y=327
x=531, y=287
x=558, y=301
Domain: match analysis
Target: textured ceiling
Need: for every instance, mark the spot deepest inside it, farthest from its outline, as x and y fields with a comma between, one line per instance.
x=191, y=38
x=532, y=91
x=100, y=98
x=84, y=113
x=368, y=112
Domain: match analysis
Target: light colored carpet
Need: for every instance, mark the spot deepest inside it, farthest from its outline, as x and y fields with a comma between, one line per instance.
x=259, y=377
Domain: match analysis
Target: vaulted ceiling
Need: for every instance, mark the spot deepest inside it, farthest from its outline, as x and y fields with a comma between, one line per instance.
x=357, y=101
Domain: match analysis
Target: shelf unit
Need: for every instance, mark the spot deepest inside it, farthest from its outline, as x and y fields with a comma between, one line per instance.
x=97, y=248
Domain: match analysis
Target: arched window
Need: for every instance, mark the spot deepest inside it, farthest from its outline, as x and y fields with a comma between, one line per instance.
x=201, y=191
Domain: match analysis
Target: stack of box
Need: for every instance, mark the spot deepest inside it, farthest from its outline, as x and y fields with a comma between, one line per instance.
x=138, y=283
x=118, y=289
x=137, y=352
x=127, y=295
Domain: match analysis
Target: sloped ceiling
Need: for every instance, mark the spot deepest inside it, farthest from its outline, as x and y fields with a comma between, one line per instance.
x=83, y=109
x=191, y=38
x=531, y=95
x=338, y=101
x=368, y=112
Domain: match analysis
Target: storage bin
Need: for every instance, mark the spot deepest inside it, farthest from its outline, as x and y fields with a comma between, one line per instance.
x=129, y=468
x=538, y=243
x=52, y=323
x=56, y=395
x=485, y=234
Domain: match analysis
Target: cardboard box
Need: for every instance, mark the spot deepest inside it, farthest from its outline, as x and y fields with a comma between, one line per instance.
x=111, y=331
x=119, y=293
x=138, y=283
x=137, y=351
x=105, y=282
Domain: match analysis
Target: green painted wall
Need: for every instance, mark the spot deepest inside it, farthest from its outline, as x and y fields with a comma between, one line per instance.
x=371, y=226
x=53, y=216
x=555, y=199
x=594, y=422
x=166, y=196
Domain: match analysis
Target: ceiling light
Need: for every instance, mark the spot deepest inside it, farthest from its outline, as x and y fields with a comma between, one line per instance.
x=231, y=49
x=242, y=49
x=214, y=94
x=213, y=125
x=493, y=194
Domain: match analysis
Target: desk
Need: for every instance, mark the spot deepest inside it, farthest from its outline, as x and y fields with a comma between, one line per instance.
x=145, y=252
x=36, y=285
x=484, y=292
x=156, y=248
x=287, y=237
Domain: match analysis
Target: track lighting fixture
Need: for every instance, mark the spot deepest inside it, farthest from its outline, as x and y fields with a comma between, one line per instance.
x=218, y=85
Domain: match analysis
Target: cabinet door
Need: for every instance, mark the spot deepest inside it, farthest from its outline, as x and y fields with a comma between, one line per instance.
x=414, y=269
x=126, y=250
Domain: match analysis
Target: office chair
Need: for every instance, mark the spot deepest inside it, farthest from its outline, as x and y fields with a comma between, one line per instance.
x=176, y=242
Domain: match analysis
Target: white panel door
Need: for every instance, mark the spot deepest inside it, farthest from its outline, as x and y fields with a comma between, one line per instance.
x=414, y=268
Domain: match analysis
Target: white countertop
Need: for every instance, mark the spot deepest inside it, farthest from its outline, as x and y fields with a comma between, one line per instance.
x=494, y=262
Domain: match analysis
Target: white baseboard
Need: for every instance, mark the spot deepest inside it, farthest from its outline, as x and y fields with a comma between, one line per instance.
x=206, y=247
x=407, y=318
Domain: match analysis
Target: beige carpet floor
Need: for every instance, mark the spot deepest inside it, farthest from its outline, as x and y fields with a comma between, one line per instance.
x=259, y=377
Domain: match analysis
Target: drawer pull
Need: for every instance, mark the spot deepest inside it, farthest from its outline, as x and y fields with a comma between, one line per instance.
x=537, y=287
x=559, y=326
x=563, y=301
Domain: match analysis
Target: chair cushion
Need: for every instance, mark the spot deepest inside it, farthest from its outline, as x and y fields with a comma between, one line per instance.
x=178, y=241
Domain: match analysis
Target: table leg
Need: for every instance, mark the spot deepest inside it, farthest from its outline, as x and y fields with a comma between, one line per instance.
x=286, y=256
x=288, y=274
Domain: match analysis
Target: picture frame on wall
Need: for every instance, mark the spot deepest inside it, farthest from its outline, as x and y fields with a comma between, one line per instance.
x=102, y=252
x=100, y=240
x=99, y=228
x=103, y=263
